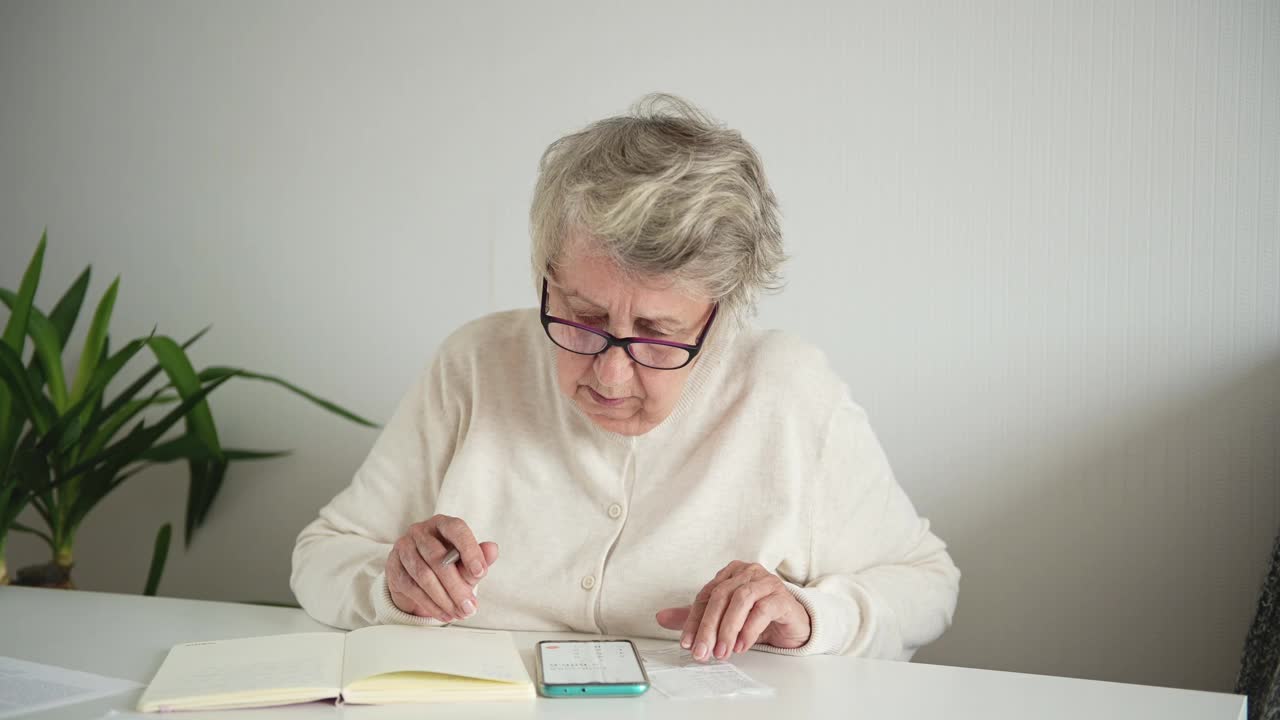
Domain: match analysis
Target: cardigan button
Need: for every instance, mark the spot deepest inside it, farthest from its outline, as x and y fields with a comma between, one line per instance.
x=588, y=582
x=615, y=511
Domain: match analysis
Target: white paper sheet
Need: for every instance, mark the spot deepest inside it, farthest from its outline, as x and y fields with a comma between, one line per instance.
x=26, y=686
x=674, y=673
x=673, y=657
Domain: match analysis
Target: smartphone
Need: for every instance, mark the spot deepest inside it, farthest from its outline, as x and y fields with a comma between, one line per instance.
x=589, y=668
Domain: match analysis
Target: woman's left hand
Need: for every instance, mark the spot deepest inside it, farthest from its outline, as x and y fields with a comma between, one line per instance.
x=744, y=604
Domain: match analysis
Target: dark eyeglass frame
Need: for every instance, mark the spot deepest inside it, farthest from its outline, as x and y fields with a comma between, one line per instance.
x=624, y=343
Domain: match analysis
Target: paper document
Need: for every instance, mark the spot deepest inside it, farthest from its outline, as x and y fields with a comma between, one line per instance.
x=675, y=673
x=673, y=657
x=26, y=686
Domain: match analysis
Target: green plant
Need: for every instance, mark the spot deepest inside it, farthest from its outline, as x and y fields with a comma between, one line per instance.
x=63, y=449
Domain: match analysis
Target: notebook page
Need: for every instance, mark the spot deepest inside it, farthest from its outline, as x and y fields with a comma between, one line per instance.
x=484, y=654
x=248, y=665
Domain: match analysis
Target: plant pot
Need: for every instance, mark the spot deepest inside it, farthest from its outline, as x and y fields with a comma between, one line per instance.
x=48, y=575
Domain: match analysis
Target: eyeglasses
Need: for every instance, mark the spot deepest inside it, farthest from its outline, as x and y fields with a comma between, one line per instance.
x=585, y=340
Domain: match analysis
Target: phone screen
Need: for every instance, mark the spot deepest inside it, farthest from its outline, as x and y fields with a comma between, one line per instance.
x=590, y=662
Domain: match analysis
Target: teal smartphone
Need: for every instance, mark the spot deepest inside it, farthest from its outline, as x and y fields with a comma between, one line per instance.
x=589, y=668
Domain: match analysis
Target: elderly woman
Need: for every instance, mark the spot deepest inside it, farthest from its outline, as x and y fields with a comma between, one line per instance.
x=649, y=463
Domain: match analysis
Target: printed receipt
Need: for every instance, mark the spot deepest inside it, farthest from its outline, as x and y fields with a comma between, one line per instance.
x=675, y=673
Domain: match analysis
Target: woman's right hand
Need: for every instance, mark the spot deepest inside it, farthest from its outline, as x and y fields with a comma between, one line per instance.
x=421, y=585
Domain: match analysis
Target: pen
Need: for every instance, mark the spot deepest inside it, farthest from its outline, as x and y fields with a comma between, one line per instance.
x=451, y=558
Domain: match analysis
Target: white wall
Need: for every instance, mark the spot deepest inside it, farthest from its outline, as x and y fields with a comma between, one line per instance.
x=1039, y=240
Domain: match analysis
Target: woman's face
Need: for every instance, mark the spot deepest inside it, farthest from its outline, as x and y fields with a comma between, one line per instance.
x=616, y=393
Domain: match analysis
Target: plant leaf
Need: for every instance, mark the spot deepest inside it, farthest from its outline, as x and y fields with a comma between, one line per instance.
x=197, y=484
x=34, y=476
x=185, y=447
x=134, y=388
x=67, y=310
x=13, y=500
x=91, y=488
x=96, y=406
x=69, y=436
x=215, y=372
x=132, y=446
x=206, y=481
x=101, y=471
x=9, y=503
x=15, y=525
x=43, y=498
x=14, y=336
x=33, y=471
x=109, y=426
x=94, y=341
x=102, y=375
x=158, y=557
x=32, y=402
x=16, y=329
x=184, y=378
x=48, y=350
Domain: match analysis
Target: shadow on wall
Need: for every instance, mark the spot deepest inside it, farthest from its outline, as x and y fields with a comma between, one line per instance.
x=1126, y=546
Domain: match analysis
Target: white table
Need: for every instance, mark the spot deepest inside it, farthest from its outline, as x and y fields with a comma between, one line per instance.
x=127, y=636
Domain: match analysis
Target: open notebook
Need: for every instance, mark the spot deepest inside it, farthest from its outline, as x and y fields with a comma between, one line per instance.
x=373, y=665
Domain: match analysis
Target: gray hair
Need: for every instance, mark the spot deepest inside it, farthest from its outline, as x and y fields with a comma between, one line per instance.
x=667, y=192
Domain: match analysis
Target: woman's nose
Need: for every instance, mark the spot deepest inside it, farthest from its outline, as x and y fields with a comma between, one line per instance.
x=613, y=367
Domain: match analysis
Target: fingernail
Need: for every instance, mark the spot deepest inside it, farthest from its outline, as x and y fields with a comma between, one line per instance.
x=738, y=647
x=686, y=641
x=721, y=649
x=468, y=607
x=477, y=569
x=700, y=651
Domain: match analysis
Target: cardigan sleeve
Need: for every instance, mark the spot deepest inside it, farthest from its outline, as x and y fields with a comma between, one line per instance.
x=879, y=583
x=339, y=558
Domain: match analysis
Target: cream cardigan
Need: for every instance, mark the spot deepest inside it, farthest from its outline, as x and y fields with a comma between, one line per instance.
x=764, y=459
